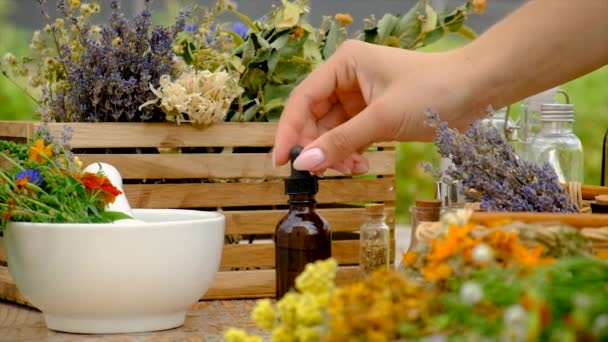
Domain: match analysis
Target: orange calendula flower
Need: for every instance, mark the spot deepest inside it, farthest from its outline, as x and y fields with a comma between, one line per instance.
x=479, y=6
x=437, y=271
x=344, y=19
x=94, y=181
x=409, y=258
x=39, y=151
x=456, y=240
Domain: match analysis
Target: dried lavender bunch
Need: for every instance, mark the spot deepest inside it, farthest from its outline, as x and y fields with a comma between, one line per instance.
x=485, y=162
x=100, y=73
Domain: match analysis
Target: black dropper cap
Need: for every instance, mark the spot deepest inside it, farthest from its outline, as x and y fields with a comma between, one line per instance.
x=300, y=182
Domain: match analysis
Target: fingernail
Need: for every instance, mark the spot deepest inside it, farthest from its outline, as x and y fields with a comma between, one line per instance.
x=360, y=168
x=309, y=159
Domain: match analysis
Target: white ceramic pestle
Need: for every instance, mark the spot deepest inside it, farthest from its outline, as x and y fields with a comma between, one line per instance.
x=120, y=204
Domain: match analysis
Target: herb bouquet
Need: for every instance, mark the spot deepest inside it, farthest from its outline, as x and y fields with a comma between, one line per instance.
x=43, y=182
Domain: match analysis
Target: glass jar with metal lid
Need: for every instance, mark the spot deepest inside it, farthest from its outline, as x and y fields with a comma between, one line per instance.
x=557, y=144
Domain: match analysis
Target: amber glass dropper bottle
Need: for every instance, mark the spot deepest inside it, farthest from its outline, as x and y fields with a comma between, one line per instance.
x=302, y=236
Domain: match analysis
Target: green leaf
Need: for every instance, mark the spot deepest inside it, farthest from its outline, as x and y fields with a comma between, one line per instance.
x=311, y=51
x=294, y=45
x=287, y=72
x=430, y=22
x=412, y=35
x=248, y=52
x=289, y=15
x=332, y=40
x=454, y=21
x=114, y=215
x=277, y=91
x=236, y=38
x=280, y=41
x=386, y=26
x=408, y=19
x=273, y=60
x=253, y=79
x=467, y=32
x=262, y=42
x=434, y=36
x=249, y=114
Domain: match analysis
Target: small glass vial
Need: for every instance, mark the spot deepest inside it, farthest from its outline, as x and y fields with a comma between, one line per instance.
x=374, y=238
x=302, y=236
x=424, y=211
x=557, y=144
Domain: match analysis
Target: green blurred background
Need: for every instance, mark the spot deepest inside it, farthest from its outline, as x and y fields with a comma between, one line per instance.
x=589, y=93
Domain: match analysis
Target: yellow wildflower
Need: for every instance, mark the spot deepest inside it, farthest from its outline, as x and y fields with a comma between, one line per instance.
x=263, y=314
x=75, y=3
x=479, y=6
x=318, y=277
x=305, y=334
x=77, y=163
x=307, y=312
x=286, y=308
x=40, y=151
x=282, y=334
x=238, y=335
x=344, y=19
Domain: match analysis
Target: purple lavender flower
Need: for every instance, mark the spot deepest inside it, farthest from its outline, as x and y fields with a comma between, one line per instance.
x=30, y=175
x=485, y=162
x=240, y=29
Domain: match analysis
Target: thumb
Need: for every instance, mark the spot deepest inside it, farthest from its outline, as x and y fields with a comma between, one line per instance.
x=337, y=145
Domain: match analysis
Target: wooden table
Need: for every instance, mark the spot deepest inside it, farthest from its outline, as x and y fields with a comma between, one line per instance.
x=206, y=321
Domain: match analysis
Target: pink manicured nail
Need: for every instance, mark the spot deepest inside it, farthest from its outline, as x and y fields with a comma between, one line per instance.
x=309, y=159
x=360, y=168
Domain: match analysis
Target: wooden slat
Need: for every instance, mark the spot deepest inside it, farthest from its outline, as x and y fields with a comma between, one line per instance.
x=222, y=165
x=264, y=221
x=16, y=129
x=262, y=254
x=261, y=283
x=248, y=194
x=166, y=134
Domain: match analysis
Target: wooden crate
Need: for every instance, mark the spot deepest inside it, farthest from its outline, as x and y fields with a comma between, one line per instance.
x=242, y=184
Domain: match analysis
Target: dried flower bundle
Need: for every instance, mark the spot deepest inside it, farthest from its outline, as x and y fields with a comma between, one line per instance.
x=95, y=73
x=113, y=72
x=484, y=161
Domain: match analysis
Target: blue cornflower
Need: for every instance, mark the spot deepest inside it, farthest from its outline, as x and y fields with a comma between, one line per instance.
x=191, y=28
x=240, y=29
x=29, y=175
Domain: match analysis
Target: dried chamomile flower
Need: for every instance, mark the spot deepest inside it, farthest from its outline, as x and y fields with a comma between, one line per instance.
x=198, y=96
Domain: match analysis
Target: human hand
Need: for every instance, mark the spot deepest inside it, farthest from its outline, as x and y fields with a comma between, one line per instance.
x=368, y=93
